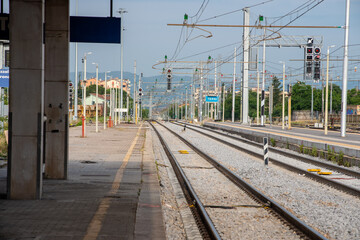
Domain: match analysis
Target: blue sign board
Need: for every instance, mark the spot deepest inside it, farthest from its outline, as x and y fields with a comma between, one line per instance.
x=95, y=29
x=212, y=99
x=4, y=77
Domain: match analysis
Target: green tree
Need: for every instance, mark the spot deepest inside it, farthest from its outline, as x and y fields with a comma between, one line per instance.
x=301, y=96
x=252, y=104
x=145, y=113
x=353, y=97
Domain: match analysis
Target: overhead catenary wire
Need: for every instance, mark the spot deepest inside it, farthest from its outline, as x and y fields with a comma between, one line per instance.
x=228, y=58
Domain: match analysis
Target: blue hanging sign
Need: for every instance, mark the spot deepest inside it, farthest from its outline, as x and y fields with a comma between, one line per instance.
x=4, y=77
x=212, y=99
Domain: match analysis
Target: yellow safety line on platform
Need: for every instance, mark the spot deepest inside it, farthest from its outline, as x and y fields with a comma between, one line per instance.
x=96, y=222
x=294, y=136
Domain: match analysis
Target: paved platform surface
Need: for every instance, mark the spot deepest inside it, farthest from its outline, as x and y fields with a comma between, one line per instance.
x=351, y=140
x=112, y=192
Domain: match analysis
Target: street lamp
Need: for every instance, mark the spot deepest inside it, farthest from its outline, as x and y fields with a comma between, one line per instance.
x=121, y=11
x=283, y=100
x=105, y=103
x=96, y=98
x=127, y=99
x=84, y=93
x=327, y=89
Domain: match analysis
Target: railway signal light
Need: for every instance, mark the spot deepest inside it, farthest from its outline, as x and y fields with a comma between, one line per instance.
x=168, y=77
x=71, y=89
x=317, y=70
x=140, y=92
x=309, y=50
x=309, y=67
x=317, y=63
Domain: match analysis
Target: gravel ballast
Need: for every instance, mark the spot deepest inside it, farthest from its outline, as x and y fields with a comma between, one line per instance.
x=331, y=212
x=234, y=214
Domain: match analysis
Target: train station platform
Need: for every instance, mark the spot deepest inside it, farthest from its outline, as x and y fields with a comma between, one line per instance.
x=112, y=192
x=349, y=145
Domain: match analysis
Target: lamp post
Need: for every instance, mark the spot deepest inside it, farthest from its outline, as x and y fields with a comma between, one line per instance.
x=327, y=88
x=111, y=115
x=283, y=100
x=84, y=92
x=128, y=90
x=96, y=98
x=105, y=102
x=121, y=11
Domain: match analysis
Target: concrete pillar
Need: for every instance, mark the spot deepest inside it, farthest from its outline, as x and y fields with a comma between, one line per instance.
x=26, y=99
x=56, y=88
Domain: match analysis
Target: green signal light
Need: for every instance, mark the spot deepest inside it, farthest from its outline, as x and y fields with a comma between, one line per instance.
x=261, y=18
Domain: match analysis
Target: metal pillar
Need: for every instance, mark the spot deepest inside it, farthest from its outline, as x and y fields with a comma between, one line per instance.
x=134, y=85
x=233, y=90
x=263, y=83
x=245, y=83
x=201, y=94
x=345, y=72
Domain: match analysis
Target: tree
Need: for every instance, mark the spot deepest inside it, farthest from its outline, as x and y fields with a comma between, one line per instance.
x=252, y=104
x=353, y=97
x=301, y=96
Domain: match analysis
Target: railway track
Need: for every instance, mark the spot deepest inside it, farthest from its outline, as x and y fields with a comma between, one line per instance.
x=263, y=201
x=315, y=163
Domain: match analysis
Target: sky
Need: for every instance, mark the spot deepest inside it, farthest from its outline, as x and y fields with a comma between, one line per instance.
x=147, y=38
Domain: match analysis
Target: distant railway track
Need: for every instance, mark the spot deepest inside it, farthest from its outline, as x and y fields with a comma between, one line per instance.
x=280, y=211
x=335, y=184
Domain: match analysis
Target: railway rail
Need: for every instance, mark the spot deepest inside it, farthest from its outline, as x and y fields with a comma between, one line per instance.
x=335, y=184
x=276, y=208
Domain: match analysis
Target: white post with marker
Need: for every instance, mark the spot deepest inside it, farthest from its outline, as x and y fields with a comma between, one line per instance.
x=266, y=151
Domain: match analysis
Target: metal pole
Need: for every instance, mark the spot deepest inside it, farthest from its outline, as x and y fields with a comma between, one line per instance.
x=312, y=99
x=283, y=98
x=223, y=103
x=116, y=103
x=76, y=72
x=186, y=106
x=84, y=95
x=105, y=104
x=327, y=89
x=150, y=109
x=322, y=98
x=257, y=98
x=263, y=83
x=201, y=93
x=111, y=101
x=215, y=90
x=244, y=114
x=127, y=100
x=289, y=107
x=134, y=100
x=122, y=61
x=345, y=73
x=140, y=103
x=96, y=100
x=331, y=91
x=233, y=90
